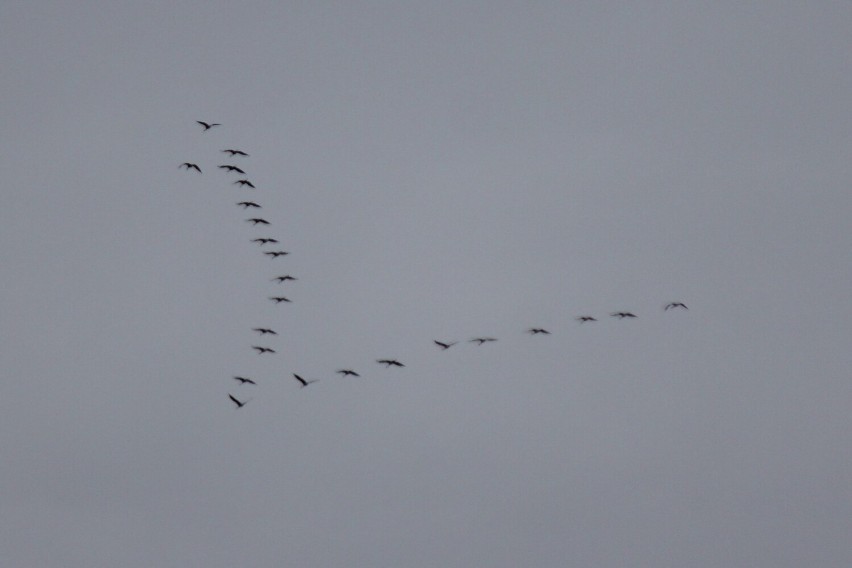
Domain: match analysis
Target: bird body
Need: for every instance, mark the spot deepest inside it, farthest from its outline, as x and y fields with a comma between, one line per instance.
x=482, y=340
x=622, y=315
x=680, y=305
x=244, y=380
x=583, y=319
x=263, y=241
x=262, y=350
x=207, y=125
x=442, y=345
x=257, y=221
x=303, y=381
x=190, y=166
x=276, y=253
x=244, y=182
x=537, y=330
x=239, y=404
x=389, y=363
x=231, y=169
x=348, y=372
x=235, y=152
x=247, y=204
x=284, y=278
x=279, y=299
x=264, y=331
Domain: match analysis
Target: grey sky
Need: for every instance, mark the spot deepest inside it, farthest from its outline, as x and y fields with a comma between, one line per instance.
x=438, y=170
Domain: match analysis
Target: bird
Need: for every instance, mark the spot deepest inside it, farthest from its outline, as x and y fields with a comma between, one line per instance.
x=247, y=204
x=676, y=305
x=346, y=372
x=231, y=168
x=264, y=330
x=237, y=402
x=279, y=299
x=244, y=380
x=190, y=166
x=390, y=362
x=262, y=350
x=482, y=340
x=235, y=152
x=622, y=315
x=257, y=221
x=537, y=330
x=284, y=278
x=262, y=241
x=442, y=345
x=303, y=381
x=583, y=319
x=276, y=253
x=244, y=182
x=207, y=126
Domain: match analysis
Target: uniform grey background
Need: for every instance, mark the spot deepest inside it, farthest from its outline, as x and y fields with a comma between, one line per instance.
x=438, y=170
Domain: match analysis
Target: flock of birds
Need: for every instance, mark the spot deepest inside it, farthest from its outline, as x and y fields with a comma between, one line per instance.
x=243, y=182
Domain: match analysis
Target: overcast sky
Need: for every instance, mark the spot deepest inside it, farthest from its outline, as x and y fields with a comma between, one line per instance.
x=437, y=170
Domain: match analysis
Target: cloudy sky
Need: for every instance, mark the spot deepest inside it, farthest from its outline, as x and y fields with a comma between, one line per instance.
x=437, y=170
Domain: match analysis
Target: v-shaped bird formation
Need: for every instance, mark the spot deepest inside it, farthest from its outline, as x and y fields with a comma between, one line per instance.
x=267, y=332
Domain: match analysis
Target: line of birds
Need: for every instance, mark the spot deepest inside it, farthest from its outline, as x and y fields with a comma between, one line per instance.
x=346, y=372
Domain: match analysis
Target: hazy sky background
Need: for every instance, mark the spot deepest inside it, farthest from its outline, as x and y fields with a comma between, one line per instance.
x=437, y=170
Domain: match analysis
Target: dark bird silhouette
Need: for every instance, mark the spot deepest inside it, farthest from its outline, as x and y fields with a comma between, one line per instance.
x=247, y=204
x=244, y=182
x=263, y=241
x=235, y=152
x=622, y=315
x=262, y=350
x=190, y=166
x=537, y=330
x=258, y=221
x=279, y=299
x=237, y=402
x=390, y=362
x=442, y=345
x=680, y=305
x=583, y=319
x=264, y=330
x=482, y=340
x=303, y=381
x=208, y=126
x=231, y=169
x=284, y=278
x=244, y=380
x=276, y=253
x=349, y=372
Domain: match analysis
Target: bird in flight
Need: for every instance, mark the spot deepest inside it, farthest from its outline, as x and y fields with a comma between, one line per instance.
x=262, y=350
x=237, y=402
x=346, y=372
x=207, y=126
x=235, y=152
x=190, y=166
x=244, y=182
x=303, y=381
x=244, y=380
x=482, y=340
x=276, y=253
x=284, y=278
x=389, y=362
x=279, y=299
x=264, y=330
x=247, y=204
x=442, y=345
x=262, y=241
x=231, y=169
x=622, y=315
x=257, y=221
x=584, y=319
x=537, y=330
x=680, y=305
